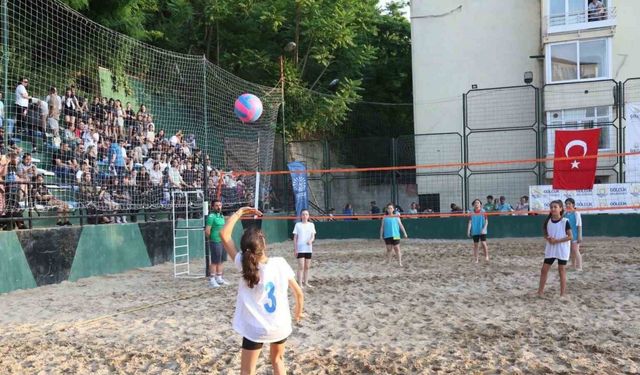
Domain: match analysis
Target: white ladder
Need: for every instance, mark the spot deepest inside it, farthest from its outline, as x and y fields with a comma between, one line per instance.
x=193, y=202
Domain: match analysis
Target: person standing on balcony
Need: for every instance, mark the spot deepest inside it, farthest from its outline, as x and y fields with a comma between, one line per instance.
x=596, y=11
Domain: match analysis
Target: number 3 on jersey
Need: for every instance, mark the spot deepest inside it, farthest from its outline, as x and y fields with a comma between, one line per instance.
x=271, y=290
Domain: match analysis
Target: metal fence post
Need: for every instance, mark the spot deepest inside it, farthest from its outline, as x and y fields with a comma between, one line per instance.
x=539, y=136
x=394, y=173
x=465, y=154
x=621, y=149
x=205, y=172
x=326, y=164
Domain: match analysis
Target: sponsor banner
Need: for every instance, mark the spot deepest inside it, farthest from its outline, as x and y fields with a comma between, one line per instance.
x=607, y=196
x=632, y=142
x=300, y=185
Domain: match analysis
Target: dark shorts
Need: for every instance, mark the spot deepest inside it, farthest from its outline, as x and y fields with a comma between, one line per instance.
x=250, y=345
x=217, y=253
x=304, y=255
x=68, y=112
x=391, y=241
x=479, y=237
x=561, y=262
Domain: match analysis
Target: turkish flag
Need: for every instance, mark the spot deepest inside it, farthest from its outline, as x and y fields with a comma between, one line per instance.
x=575, y=173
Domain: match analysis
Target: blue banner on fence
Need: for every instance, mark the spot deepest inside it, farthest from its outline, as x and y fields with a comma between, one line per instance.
x=300, y=186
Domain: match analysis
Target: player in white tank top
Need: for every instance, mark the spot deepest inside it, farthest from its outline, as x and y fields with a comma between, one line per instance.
x=557, y=233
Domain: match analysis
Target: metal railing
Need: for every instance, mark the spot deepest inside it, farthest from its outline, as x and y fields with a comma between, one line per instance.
x=582, y=19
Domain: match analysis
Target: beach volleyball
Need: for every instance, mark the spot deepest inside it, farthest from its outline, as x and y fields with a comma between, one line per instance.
x=248, y=108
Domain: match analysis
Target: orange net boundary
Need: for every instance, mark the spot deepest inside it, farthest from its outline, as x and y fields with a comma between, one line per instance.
x=340, y=217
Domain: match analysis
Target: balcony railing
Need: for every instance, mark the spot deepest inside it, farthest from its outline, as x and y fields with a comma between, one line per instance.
x=586, y=19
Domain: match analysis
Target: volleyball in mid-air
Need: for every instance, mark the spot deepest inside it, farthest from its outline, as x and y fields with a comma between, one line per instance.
x=248, y=108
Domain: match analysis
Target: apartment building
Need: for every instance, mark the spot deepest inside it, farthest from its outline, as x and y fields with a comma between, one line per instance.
x=574, y=51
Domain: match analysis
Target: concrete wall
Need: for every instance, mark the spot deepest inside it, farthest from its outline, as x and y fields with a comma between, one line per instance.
x=626, y=55
x=52, y=255
x=487, y=43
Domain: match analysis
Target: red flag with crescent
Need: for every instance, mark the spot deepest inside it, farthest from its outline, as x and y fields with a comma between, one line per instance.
x=576, y=171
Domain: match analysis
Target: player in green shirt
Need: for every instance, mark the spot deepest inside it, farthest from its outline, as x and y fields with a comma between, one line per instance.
x=215, y=222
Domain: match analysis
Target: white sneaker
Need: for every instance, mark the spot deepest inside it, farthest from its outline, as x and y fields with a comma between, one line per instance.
x=221, y=281
x=213, y=283
x=124, y=220
x=118, y=220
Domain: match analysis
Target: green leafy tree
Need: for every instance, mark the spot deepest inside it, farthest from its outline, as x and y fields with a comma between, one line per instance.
x=347, y=41
x=386, y=79
x=126, y=16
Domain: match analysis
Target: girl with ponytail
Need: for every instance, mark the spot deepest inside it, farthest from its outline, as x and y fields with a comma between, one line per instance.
x=262, y=308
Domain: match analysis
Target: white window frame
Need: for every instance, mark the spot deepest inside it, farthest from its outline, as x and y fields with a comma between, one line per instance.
x=560, y=123
x=566, y=6
x=549, y=65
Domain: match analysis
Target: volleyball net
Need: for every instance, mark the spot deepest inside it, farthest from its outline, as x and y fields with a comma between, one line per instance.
x=446, y=189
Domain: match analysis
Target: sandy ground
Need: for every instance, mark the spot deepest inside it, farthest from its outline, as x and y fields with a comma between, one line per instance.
x=441, y=313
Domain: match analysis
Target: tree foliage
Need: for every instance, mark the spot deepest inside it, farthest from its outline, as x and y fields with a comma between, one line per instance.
x=366, y=49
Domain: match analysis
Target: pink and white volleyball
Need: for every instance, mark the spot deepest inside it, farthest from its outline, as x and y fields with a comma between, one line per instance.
x=248, y=108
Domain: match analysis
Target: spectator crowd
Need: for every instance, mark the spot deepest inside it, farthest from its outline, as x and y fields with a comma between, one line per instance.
x=107, y=156
x=491, y=205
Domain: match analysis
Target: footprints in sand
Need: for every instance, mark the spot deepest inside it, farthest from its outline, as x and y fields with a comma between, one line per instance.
x=438, y=314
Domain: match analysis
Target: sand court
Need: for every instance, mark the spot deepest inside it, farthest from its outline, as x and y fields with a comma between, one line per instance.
x=440, y=313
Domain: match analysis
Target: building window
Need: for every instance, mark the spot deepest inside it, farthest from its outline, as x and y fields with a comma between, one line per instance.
x=593, y=59
x=583, y=118
x=579, y=60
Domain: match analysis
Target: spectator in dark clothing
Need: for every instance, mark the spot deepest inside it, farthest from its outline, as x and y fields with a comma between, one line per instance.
x=455, y=208
x=65, y=165
x=375, y=210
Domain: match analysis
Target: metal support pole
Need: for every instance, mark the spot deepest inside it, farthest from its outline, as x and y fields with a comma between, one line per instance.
x=394, y=174
x=539, y=138
x=5, y=51
x=620, y=131
x=285, y=202
x=465, y=155
x=205, y=172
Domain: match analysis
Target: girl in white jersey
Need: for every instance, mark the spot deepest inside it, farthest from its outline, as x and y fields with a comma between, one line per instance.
x=557, y=233
x=304, y=234
x=262, y=308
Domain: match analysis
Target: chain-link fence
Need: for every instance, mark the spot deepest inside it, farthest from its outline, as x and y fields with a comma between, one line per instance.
x=507, y=131
x=584, y=105
x=501, y=124
x=422, y=172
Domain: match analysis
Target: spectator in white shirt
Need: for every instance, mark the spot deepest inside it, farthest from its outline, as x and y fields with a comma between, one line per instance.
x=1, y=111
x=22, y=103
